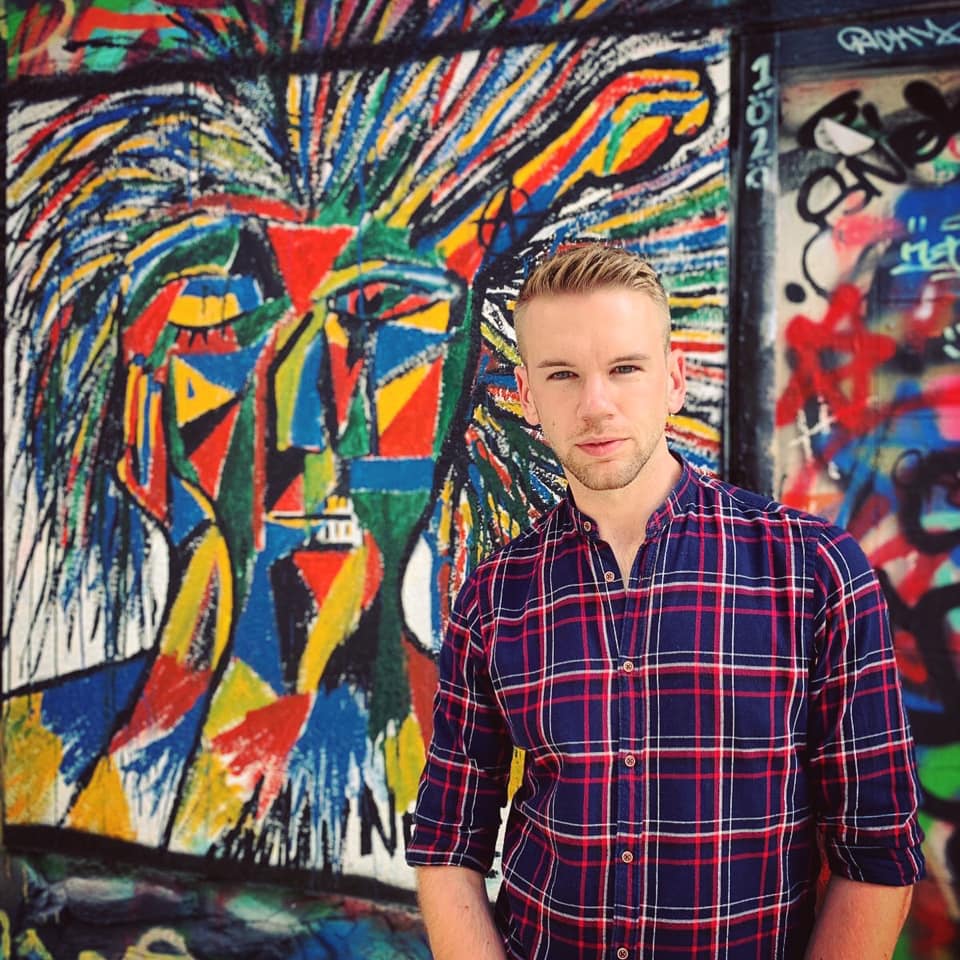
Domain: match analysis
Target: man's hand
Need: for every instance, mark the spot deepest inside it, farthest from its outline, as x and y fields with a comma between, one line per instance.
x=858, y=921
x=457, y=914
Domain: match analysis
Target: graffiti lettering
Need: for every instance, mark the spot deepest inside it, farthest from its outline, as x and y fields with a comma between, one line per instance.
x=897, y=39
x=936, y=259
x=760, y=115
x=870, y=156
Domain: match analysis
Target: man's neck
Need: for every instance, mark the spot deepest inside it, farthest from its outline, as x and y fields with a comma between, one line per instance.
x=621, y=515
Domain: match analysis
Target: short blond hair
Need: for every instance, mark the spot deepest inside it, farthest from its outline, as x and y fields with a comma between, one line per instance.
x=584, y=267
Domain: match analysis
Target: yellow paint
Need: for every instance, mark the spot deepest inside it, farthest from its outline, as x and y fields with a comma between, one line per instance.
x=204, y=312
x=708, y=300
x=211, y=805
x=337, y=618
x=319, y=478
x=125, y=174
x=404, y=756
x=287, y=380
x=33, y=758
x=193, y=393
x=43, y=268
x=407, y=198
x=502, y=103
x=240, y=691
x=334, y=131
x=335, y=333
x=95, y=139
x=392, y=398
x=294, y=93
x=38, y=173
x=394, y=118
x=435, y=318
x=90, y=955
x=696, y=427
x=516, y=772
x=468, y=227
x=300, y=12
x=695, y=118
x=30, y=945
x=208, y=569
x=102, y=806
x=156, y=944
x=67, y=285
x=4, y=935
x=639, y=131
x=164, y=235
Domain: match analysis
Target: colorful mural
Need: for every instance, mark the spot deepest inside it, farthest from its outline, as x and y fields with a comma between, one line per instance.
x=260, y=415
x=868, y=406
x=52, y=37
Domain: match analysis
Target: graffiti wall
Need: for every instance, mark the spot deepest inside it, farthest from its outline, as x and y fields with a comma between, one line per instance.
x=868, y=401
x=260, y=416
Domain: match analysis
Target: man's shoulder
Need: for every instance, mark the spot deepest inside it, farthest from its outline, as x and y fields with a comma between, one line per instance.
x=528, y=546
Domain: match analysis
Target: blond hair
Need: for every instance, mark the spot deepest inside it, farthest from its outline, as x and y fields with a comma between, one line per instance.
x=585, y=267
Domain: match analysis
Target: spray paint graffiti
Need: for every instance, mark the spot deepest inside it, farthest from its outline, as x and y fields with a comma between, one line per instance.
x=868, y=410
x=261, y=415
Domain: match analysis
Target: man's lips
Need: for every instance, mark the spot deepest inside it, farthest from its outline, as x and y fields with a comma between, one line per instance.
x=600, y=447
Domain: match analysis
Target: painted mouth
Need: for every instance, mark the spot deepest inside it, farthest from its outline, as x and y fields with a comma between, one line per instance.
x=335, y=525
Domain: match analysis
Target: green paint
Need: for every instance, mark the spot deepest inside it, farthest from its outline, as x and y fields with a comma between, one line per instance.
x=235, y=501
x=251, y=326
x=392, y=518
x=179, y=462
x=454, y=377
x=355, y=441
x=215, y=247
x=939, y=769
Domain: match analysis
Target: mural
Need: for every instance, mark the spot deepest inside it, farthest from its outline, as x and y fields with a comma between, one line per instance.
x=260, y=415
x=51, y=37
x=868, y=407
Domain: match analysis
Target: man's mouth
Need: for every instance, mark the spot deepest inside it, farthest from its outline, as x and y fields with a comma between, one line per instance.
x=600, y=447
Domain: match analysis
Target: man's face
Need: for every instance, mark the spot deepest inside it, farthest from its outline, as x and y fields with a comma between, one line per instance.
x=597, y=379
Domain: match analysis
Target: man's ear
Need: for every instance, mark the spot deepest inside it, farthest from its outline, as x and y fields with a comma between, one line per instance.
x=529, y=408
x=676, y=380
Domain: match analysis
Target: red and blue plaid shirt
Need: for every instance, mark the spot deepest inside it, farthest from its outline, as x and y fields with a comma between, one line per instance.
x=687, y=732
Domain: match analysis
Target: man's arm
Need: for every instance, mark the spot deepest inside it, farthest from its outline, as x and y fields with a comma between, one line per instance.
x=457, y=914
x=858, y=921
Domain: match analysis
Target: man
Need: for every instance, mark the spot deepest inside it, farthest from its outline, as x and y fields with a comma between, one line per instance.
x=702, y=681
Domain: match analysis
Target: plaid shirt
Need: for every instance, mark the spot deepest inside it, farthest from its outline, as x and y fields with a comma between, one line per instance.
x=686, y=732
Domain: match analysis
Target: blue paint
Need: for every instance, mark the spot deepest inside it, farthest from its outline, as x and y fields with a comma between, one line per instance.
x=85, y=732
x=399, y=348
x=397, y=474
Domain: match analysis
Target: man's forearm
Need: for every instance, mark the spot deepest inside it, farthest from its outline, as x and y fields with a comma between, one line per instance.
x=457, y=914
x=858, y=921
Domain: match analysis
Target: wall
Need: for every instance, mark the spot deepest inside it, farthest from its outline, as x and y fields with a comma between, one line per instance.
x=260, y=418
x=867, y=408
x=260, y=413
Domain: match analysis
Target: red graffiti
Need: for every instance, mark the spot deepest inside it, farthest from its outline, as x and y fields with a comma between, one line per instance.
x=833, y=360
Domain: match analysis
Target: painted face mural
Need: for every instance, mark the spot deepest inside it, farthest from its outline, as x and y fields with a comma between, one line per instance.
x=868, y=412
x=262, y=421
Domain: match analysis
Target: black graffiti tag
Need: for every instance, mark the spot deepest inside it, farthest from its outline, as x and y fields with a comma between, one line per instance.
x=858, y=178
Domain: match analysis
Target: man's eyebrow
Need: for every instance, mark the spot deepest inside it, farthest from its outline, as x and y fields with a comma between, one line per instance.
x=626, y=358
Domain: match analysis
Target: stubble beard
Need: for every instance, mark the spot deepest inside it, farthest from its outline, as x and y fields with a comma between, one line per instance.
x=599, y=476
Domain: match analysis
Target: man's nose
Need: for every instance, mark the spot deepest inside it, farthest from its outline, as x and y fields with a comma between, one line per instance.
x=596, y=399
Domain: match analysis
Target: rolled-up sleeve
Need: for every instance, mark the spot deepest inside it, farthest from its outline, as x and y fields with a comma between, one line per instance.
x=861, y=751
x=464, y=782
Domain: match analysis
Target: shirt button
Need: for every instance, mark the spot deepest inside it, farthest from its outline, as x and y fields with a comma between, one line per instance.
x=623, y=953
x=629, y=760
x=626, y=856
x=628, y=666
x=587, y=525
x=608, y=576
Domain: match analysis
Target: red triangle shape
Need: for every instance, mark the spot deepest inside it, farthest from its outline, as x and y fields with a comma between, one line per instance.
x=305, y=256
x=211, y=454
x=411, y=433
x=291, y=500
x=319, y=568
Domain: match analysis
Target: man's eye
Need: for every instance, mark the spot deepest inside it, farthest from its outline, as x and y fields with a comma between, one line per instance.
x=625, y=368
x=561, y=375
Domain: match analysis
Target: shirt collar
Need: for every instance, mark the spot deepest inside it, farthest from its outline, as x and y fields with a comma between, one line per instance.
x=683, y=493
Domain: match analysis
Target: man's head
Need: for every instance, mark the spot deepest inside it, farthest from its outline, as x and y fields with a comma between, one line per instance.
x=584, y=267
x=598, y=375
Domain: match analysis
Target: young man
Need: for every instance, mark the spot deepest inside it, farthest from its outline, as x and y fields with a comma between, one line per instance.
x=702, y=679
